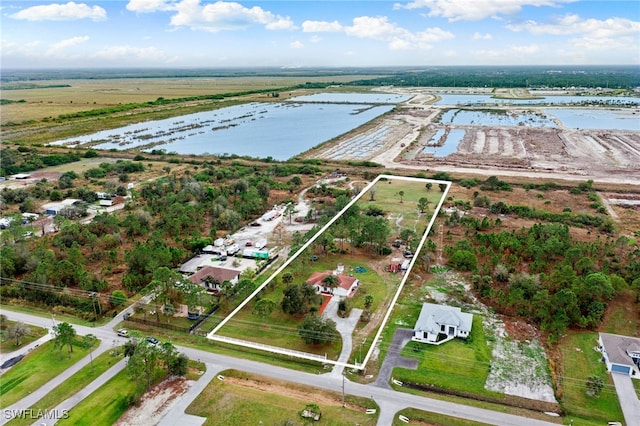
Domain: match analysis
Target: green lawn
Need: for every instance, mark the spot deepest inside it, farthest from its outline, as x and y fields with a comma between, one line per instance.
x=224, y=403
x=579, y=361
x=9, y=344
x=433, y=419
x=105, y=405
x=36, y=369
x=57, y=317
x=460, y=365
x=71, y=386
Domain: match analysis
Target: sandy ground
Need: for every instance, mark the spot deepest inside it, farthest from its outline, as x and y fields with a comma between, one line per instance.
x=155, y=402
x=398, y=139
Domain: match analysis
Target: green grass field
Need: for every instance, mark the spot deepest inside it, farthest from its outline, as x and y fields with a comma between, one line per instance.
x=36, y=369
x=460, y=365
x=105, y=405
x=9, y=344
x=580, y=360
x=71, y=386
x=432, y=419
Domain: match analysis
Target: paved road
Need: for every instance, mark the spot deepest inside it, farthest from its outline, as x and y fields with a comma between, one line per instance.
x=390, y=401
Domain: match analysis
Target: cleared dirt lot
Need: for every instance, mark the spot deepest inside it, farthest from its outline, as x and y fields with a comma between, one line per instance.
x=399, y=139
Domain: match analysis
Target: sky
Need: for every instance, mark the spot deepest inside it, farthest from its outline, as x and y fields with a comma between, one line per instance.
x=305, y=33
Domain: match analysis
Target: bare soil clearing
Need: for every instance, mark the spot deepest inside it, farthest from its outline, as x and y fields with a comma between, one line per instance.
x=556, y=153
x=155, y=402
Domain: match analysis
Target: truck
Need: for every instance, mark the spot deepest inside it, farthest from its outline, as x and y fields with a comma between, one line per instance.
x=260, y=244
x=233, y=249
x=255, y=253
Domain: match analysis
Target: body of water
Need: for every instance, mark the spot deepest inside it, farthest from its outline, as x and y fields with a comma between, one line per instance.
x=363, y=98
x=450, y=144
x=597, y=118
x=547, y=100
x=489, y=118
x=260, y=130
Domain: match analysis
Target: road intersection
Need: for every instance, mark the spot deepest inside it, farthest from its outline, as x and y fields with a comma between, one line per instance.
x=389, y=401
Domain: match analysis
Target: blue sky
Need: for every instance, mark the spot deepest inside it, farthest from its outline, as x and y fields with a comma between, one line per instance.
x=301, y=33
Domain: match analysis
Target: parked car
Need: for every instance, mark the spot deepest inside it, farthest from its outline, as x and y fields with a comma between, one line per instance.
x=255, y=224
x=248, y=244
x=122, y=332
x=408, y=254
x=152, y=340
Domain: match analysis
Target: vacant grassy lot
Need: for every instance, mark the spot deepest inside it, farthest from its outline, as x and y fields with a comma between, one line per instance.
x=580, y=360
x=36, y=369
x=9, y=343
x=105, y=405
x=71, y=386
x=243, y=399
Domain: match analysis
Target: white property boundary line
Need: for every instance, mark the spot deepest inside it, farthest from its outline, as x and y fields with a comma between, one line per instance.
x=212, y=335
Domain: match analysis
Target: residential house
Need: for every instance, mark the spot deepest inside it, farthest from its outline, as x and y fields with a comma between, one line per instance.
x=440, y=323
x=347, y=284
x=212, y=277
x=621, y=354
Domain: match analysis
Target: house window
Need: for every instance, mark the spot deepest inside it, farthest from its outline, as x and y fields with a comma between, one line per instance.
x=442, y=328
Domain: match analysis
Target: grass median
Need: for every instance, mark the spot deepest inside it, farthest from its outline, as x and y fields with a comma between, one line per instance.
x=35, y=370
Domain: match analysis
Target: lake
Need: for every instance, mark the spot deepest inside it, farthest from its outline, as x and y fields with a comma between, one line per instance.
x=260, y=130
x=495, y=118
x=547, y=100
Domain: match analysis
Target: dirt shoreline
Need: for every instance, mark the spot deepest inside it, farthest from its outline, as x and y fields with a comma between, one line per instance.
x=398, y=139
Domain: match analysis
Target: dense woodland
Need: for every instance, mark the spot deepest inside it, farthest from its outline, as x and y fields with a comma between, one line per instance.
x=539, y=272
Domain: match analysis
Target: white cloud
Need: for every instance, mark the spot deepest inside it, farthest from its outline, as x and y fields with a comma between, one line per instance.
x=478, y=36
x=321, y=27
x=147, y=6
x=61, y=12
x=58, y=47
x=573, y=24
x=296, y=44
x=222, y=15
x=398, y=38
x=474, y=10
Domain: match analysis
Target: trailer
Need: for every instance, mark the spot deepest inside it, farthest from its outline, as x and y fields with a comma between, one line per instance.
x=270, y=215
x=233, y=249
x=260, y=244
x=405, y=265
x=254, y=253
x=219, y=242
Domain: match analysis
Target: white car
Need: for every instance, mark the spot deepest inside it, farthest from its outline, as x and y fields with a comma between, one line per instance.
x=123, y=333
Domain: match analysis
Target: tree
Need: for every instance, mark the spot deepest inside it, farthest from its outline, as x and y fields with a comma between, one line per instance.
x=289, y=210
x=401, y=195
x=18, y=331
x=65, y=335
x=87, y=343
x=330, y=281
x=317, y=330
x=463, y=260
x=368, y=301
x=118, y=298
x=287, y=278
x=428, y=185
x=594, y=386
x=263, y=308
x=423, y=204
x=442, y=186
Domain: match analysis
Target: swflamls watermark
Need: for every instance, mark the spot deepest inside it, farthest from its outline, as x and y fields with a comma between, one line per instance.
x=34, y=414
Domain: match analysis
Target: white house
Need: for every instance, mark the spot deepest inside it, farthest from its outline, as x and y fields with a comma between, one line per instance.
x=621, y=354
x=440, y=323
x=212, y=277
x=347, y=285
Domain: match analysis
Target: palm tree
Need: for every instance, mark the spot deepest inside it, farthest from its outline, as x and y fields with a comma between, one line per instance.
x=330, y=281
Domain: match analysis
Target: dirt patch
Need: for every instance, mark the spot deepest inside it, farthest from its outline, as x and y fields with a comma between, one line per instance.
x=155, y=402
